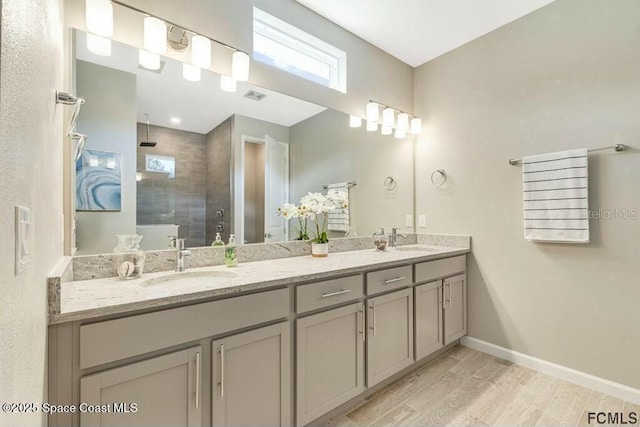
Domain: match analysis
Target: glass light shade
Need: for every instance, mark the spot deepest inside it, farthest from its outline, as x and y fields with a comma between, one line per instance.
x=240, y=66
x=372, y=126
x=155, y=35
x=148, y=60
x=228, y=84
x=99, y=15
x=201, y=51
x=386, y=130
x=98, y=45
x=191, y=72
x=388, y=115
x=403, y=122
x=416, y=125
x=373, y=112
x=355, y=121
x=400, y=133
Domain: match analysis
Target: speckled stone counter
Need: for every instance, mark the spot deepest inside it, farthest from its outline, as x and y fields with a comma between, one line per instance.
x=93, y=298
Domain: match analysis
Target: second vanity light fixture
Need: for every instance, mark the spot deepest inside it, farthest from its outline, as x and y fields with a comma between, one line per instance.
x=392, y=118
x=99, y=21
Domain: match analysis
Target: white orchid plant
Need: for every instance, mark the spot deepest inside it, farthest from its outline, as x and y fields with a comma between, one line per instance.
x=315, y=207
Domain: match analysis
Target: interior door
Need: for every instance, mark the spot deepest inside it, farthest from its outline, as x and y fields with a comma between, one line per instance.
x=276, y=192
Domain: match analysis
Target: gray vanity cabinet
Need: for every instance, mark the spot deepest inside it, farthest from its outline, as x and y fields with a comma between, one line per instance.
x=251, y=378
x=429, y=318
x=455, y=307
x=330, y=360
x=390, y=337
x=166, y=389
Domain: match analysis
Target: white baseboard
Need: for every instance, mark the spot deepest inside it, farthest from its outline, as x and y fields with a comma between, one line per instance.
x=602, y=385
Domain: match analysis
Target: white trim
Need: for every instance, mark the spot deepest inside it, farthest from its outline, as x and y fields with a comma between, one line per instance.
x=602, y=385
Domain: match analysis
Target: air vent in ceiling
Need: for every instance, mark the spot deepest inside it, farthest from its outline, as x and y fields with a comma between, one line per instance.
x=256, y=96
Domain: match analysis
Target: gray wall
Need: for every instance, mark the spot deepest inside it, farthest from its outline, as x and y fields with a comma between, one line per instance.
x=109, y=119
x=325, y=150
x=186, y=193
x=218, y=180
x=31, y=141
x=565, y=76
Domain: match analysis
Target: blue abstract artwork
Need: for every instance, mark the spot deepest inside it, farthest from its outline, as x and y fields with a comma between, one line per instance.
x=98, y=181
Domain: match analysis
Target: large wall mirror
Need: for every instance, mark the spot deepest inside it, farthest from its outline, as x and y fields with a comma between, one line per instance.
x=168, y=156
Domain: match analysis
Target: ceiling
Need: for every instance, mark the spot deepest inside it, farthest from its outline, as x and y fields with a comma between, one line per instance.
x=417, y=31
x=200, y=106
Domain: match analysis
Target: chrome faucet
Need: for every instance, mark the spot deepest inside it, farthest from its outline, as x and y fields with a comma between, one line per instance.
x=181, y=252
x=393, y=238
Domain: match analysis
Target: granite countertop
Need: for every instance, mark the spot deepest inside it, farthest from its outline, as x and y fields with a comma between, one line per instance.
x=93, y=298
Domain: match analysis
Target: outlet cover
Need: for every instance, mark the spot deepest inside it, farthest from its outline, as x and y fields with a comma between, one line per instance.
x=422, y=221
x=408, y=220
x=23, y=238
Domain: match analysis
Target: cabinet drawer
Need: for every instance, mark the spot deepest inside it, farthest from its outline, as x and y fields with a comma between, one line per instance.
x=118, y=339
x=328, y=293
x=431, y=270
x=386, y=280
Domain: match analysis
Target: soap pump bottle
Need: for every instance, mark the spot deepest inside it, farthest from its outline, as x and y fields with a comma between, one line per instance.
x=230, y=254
x=218, y=241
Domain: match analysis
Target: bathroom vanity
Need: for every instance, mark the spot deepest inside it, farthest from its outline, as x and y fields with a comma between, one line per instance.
x=278, y=342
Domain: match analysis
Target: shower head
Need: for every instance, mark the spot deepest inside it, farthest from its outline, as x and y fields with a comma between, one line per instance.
x=147, y=143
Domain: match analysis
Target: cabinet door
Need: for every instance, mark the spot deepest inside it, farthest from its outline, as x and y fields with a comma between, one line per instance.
x=390, y=338
x=428, y=315
x=330, y=360
x=455, y=308
x=251, y=378
x=165, y=389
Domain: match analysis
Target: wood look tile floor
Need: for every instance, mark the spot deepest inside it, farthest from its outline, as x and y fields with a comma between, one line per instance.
x=464, y=387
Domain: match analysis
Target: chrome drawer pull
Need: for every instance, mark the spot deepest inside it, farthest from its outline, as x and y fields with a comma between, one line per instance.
x=197, y=380
x=333, y=294
x=397, y=279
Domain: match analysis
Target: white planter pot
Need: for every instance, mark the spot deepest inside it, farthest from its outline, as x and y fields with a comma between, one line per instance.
x=319, y=250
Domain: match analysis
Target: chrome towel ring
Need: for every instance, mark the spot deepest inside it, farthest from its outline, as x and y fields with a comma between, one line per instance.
x=390, y=183
x=438, y=181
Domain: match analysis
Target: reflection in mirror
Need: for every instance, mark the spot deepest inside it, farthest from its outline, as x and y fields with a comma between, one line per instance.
x=197, y=160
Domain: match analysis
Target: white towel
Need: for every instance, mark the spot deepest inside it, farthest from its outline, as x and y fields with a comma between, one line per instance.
x=339, y=218
x=556, y=197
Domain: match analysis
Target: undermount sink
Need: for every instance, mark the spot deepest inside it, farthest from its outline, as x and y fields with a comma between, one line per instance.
x=415, y=249
x=189, y=277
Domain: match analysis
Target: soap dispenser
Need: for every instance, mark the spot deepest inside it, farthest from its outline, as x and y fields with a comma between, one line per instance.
x=218, y=241
x=230, y=254
x=381, y=240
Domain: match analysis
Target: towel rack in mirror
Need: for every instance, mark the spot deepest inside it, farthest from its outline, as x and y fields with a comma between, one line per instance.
x=617, y=147
x=349, y=184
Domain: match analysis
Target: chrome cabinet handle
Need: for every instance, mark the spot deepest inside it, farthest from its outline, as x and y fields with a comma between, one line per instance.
x=221, y=383
x=361, y=315
x=373, y=318
x=397, y=279
x=447, y=299
x=197, y=380
x=333, y=294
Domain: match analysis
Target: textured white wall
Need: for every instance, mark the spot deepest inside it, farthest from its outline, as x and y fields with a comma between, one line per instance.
x=31, y=152
x=562, y=77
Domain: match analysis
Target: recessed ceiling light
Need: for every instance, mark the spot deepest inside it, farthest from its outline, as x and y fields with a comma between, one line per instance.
x=175, y=120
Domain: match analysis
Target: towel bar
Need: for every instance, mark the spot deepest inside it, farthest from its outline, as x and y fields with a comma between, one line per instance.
x=617, y=147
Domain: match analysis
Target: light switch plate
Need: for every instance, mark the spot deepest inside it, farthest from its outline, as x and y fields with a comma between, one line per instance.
x=408, y=220
x=422, y=221
x=23, y=238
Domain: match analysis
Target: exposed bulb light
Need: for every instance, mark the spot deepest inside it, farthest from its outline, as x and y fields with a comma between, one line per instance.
x=386, y=130
x=148, y=60
x=372, y=126
x=355, y=121
x=228, y=84
x=388, y=115
x=155, y=35
x=416, y=125
x=400, y=134
x=99, y=45
x=175, y=120
x=373, y=112
x=403, y=122
x=240, y=66
x=191, y=72
x=201, y=51
x=99, y=16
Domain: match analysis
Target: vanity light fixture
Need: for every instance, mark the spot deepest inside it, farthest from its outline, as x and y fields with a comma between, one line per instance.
x=228, y=84
x=372, y=126
x=148, y=60
x=355, y=121
x=386, y=130
x=388, y=116
x=191, y=72
x=201, y=51
x=99, y=16
x=373, y=112
x=403, y=122
x=416, y=125
x=155, y=35
x=101, y=46
x=240, y=66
